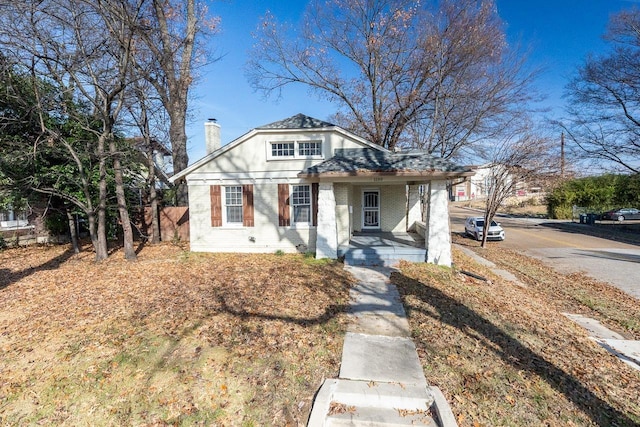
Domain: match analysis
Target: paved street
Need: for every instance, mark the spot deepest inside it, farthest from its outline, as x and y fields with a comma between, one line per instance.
x=568, y=250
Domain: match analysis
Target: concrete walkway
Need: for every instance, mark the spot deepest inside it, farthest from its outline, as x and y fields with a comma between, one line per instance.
x=381, y=380
x=627, y=350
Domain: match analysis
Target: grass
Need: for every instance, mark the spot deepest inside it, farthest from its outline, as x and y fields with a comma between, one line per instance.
x=176, y=338
x=182, y=338
x=504, y=355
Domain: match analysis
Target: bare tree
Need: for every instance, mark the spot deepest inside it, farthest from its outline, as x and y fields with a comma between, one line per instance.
x=432, y=74
x=170, y=31
x=604, y=98
x=148, y=119
x=84, y=50
x=517, y=157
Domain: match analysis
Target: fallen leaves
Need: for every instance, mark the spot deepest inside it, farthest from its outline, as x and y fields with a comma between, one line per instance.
x=505, y=355
x=176, y=337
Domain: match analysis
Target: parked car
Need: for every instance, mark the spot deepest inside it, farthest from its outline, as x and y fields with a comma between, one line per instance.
x=622, y=214
x=473, y=227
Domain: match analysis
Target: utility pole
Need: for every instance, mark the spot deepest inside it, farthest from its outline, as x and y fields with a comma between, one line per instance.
x=562, y=155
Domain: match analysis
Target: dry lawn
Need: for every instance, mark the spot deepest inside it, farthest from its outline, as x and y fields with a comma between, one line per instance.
x=175, y=338
x=179, y=338
x=505, y=355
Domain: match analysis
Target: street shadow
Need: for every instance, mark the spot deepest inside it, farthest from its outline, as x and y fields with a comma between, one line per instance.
x=8, y=277
x=511, y=351
x=602, y=230
x=614, y=256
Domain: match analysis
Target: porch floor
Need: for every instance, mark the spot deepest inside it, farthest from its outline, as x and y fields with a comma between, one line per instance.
x=387, y=249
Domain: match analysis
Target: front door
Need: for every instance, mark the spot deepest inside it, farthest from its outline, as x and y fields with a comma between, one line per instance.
x=370, y=209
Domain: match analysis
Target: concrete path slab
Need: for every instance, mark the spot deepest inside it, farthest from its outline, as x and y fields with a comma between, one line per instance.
x=594, y=327
x=381, y=380
x=507, y=275
x=628, y=351
x=381, y=358
x=376, y=307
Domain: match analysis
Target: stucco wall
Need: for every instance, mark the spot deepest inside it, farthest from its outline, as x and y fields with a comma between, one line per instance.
x=248, y=162
x=251, y=157
x=267, y=235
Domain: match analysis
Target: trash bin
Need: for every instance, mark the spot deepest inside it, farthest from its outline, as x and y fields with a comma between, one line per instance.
x=591, y=218
x=583, y=218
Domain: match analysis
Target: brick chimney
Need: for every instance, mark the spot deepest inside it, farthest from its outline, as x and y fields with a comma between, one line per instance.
x=212, y=135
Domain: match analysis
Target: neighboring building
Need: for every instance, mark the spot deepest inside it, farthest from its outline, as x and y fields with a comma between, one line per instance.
x=302, y=184
x=12, y=220
x=474, y=187
x=479, y=186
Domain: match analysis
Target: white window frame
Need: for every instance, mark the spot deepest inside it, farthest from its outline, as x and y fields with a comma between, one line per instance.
x=282, y=143
x=296, y=149
x=295, y=223
x=309, y=144
x=225, y=219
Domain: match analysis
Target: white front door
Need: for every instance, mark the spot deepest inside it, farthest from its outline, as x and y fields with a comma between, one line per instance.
x=370, y=209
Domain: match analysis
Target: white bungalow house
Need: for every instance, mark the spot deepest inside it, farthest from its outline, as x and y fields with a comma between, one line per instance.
x=302, y=184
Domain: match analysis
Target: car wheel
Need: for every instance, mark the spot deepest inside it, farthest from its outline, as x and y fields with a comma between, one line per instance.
x=478, y=237
x=620, y=218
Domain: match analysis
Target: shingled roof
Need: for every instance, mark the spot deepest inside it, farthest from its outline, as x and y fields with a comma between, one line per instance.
x=364, y=161
x=299, y=121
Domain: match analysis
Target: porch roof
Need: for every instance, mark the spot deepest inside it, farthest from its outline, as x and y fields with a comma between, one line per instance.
x=368, y=162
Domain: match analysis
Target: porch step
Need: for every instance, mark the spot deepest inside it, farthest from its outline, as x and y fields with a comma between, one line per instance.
x=369, y=403
x=376, y=417
x=384, y=256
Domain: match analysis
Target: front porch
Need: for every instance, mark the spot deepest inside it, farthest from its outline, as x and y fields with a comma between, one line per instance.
x=383, y=248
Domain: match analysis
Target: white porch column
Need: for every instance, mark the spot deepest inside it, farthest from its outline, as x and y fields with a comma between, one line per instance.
x=327, y=232
x=438, y=235
x=413, y=200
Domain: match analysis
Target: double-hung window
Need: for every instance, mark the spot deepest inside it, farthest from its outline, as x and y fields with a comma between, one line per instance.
x=297, y=205
x=233, y=205
x=301, y=201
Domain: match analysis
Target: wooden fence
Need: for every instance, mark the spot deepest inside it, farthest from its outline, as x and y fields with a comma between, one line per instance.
x=174, y=223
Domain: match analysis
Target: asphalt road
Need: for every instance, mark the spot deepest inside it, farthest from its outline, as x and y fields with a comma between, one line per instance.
x=567, y=249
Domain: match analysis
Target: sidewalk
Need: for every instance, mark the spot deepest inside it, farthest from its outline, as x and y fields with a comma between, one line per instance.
x=626, y=350
x=381, y=379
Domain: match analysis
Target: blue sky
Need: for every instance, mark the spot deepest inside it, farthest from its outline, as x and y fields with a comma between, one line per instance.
x=560, y=33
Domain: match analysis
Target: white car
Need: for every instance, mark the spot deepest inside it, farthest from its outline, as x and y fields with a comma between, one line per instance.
x=473, y=227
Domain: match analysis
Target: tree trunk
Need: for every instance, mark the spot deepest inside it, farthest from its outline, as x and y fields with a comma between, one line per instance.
x=73, y=232
x=100, y=245
x=93, y=233
x=153, y=196
x=178, y=136
x=129, y=250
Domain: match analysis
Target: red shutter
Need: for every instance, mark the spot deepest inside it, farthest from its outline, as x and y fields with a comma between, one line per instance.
x=216, y=206
x=283, y=205
x=314, y=201
x=247, y=205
